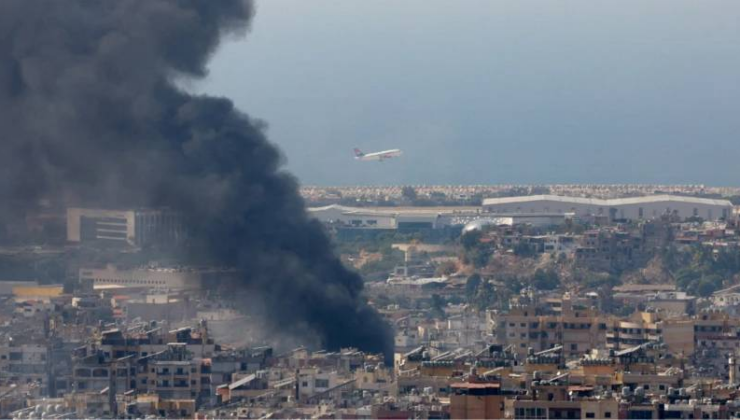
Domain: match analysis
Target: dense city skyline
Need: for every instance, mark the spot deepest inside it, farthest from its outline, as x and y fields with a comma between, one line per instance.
x=491, y=210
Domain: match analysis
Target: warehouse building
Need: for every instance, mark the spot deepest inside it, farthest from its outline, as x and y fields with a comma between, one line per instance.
x=633, y=208
x=386, y=219
x=144, y=277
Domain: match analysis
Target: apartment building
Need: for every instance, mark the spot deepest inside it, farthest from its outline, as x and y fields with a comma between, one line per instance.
x=641, y=328
x=575, y=326
x=476, y=400
x=175, y=374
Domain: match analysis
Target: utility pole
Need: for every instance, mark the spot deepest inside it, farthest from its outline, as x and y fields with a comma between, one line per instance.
x=112, y=388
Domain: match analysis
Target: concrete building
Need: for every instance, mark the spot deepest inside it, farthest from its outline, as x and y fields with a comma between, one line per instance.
x=161, y=278
x=313, y=381
x=513, y=219
x=174, y=374
x=127, y=227
x=476, y=401
x=393, y=217
x=354, y=217
x=25, y=363
x=626, y=334
x=633, y=208
x=576, y=328
x=8, y=288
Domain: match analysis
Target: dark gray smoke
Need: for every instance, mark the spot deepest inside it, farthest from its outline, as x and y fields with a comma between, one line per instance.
x=89, y=114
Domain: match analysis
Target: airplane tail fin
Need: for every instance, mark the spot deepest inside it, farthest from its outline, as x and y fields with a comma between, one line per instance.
x=358, y=153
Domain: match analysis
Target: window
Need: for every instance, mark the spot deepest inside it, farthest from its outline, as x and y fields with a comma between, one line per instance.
x=607, y=414
x=590, y=415
x=321, y=383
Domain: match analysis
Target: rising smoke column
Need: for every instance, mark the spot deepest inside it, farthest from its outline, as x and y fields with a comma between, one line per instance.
x=88, y=110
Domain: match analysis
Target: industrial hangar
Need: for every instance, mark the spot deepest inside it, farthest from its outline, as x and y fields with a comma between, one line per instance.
x=632, y=208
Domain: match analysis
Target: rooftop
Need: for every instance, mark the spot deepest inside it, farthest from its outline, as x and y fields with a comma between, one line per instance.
x=607, y=202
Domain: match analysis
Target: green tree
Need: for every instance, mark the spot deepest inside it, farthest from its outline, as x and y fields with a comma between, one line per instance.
x=472, y=284
x=707, y=285
x=445, y=269
x=437, y=305
x=471, y=239
x=485, y=296
x=545, y=279
x=523, y=249
x=474, y=252
x=409, y=193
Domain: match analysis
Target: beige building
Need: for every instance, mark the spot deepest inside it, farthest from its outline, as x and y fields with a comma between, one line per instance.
x=716, y=330
x=177, y=377
x=639, y=329
x=576, y=327
x=678, y=336
x=471, y=400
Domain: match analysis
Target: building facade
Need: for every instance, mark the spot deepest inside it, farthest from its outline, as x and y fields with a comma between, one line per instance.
x=127, y=227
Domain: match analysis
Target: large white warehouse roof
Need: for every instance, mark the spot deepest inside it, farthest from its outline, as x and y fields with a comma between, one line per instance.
x=609, y=202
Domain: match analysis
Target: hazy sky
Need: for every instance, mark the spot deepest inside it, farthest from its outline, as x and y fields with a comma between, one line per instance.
x=486, y=91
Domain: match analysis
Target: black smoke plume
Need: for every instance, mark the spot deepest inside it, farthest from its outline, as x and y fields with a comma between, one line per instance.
x=89, y=113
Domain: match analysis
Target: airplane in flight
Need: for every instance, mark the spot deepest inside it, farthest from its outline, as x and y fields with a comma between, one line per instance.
x=379, y=156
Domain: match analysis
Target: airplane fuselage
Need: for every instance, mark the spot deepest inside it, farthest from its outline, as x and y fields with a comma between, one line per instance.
x=379, y=156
